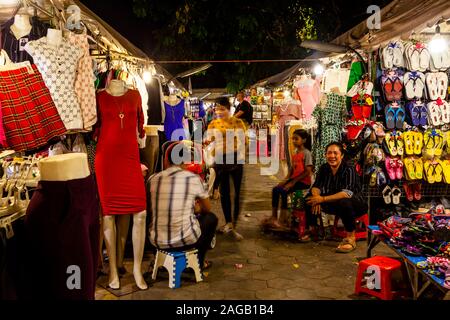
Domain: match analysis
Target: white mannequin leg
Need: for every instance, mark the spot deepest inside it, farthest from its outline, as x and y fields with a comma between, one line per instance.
x=138, y=248
x=109, y=230
x=122, y=226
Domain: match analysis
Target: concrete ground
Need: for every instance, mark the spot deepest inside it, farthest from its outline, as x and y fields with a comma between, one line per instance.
x=262, y=266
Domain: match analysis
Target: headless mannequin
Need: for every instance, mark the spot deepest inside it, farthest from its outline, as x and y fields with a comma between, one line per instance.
x=116, y=236
x=21, y=26
x=54, y=37
x=64, y=167
x=117, y=88
x=172, y=100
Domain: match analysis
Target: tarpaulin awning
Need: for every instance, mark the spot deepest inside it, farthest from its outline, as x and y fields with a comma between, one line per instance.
x=398, y=20
x=101, y=30
x=291, y=72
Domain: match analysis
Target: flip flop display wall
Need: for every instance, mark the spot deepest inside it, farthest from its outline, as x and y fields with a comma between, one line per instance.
x=408, y=148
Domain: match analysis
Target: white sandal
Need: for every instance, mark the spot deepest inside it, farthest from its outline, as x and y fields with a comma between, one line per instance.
x=442, y=84
x=424, y=59
x=432, y=85
x=434, y=114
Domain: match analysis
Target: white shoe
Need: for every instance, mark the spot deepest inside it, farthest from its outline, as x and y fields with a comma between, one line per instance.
x=227, y=228
x=237, y=236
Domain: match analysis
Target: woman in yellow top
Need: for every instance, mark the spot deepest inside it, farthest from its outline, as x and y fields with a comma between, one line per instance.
x=228, y=135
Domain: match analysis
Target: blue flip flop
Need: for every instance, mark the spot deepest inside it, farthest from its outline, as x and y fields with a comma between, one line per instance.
x=400, y=117
x=414, y=113
x=423, y=115
x=390, y=117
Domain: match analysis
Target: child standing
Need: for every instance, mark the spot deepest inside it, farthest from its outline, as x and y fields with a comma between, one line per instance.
x=299, y=177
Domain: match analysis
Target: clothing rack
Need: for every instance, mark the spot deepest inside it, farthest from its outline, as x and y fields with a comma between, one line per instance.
x=6, y=222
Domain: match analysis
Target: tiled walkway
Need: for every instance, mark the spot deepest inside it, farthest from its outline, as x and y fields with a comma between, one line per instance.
x=273, y=266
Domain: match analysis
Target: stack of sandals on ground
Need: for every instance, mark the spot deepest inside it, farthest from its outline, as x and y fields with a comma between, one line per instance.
x=415, y=146
x=422, y=234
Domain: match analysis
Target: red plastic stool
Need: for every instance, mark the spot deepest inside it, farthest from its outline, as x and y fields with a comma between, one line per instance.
x=300, y=215
x=384, y=266
x=361, y=232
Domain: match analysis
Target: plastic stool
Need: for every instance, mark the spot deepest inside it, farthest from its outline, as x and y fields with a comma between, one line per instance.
x=298, y=213
x=299, y=217
x=175, y=262
x=386, y=266
x=360, y=234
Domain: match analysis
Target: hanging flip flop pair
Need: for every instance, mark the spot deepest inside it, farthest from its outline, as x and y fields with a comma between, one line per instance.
x=392, y=84
x=394, y=143
x=395, y=116
x=417, y=113
x=394, y=168
x=417, y=56
x=413, y=142
x=413, y=168
x=414, y=82
x=434, y=142
x=391, y=195
x=413, y=191
x=434, y=171
x=377, y=177
x=392, y=55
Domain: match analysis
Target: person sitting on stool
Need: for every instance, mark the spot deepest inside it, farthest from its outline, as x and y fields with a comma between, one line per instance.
x=337, y=190
x=174, y=193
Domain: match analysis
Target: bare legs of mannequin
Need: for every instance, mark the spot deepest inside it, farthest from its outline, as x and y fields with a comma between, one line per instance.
x=109, y=230
x=122, y=226
x=111, y=238
x=138, y=248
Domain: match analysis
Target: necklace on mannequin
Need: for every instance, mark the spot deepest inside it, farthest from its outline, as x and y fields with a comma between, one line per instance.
x=121, y=114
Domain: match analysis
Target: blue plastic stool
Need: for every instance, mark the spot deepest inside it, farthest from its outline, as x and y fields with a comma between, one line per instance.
x=175, y=262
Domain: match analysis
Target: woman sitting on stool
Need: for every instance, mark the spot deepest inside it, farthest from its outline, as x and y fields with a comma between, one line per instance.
x=337, y=190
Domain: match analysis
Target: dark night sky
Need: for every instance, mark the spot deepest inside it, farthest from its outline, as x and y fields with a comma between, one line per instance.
x=119, y=14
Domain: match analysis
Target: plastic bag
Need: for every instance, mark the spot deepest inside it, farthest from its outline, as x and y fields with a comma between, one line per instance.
x=79, y=145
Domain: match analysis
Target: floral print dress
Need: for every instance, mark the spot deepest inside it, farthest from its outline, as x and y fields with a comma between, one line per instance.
x=331, y=120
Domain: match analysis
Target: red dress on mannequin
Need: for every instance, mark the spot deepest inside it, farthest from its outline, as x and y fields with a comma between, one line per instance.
x=120, y=182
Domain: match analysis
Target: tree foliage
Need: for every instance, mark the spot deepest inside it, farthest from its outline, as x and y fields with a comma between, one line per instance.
x=240, y=30
x=230, y=30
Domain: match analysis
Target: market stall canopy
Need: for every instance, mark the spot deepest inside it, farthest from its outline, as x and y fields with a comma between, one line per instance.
x=210, y=94
x=287, y=74
x=107, y=37
x=398, y=20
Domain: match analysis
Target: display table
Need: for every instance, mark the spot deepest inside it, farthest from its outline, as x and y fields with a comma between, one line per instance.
x=419, y=279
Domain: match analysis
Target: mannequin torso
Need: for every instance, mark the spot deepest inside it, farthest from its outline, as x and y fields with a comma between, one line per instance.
x=21, y=26
x=64, y=167
x=54, y=37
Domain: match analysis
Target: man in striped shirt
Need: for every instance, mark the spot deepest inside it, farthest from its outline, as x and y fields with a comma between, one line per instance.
x=175, y=226
x=337, y=190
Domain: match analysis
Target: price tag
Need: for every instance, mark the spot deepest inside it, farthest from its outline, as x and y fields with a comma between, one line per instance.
x=369, y=101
